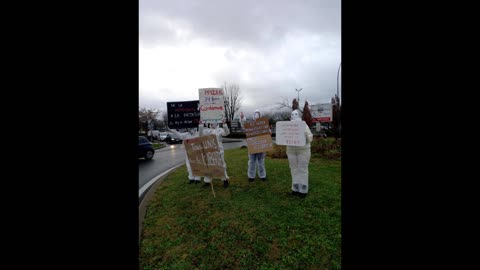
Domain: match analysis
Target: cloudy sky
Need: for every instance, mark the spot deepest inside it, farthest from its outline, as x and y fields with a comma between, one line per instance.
x=268, y=47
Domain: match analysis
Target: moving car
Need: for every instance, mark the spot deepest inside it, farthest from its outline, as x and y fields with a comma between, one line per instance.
x=172, y=138
x=163, y=136
x=145, y=148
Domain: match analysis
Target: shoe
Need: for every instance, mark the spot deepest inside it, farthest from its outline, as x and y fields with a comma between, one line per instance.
x=251, y=179
x=225, y=183
x=263, y=179
x=293, y=193
x=191, y=181
x=302, y=195
x=206, y=185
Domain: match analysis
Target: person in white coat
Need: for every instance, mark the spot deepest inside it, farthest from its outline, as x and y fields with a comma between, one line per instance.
x=191, y=133
x=298, y=159
x=256, y=162
x=215, y=129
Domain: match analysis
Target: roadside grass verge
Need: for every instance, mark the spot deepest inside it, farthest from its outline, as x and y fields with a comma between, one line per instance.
x=158, y=146
x=248, y=225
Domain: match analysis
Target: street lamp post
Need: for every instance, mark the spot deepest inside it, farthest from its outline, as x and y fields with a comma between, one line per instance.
x=298, y=98
x=338, y=105
x=338, y=73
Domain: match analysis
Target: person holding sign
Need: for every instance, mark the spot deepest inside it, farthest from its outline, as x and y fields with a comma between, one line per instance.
x=298, y=159
x=256, y=162
x=216, y=130
x=192, y=133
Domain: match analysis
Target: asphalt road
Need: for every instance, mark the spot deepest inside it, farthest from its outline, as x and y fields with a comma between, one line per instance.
x=170, y=156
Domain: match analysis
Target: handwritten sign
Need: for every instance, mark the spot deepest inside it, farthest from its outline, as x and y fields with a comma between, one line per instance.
x=259, y=144
x=183, y=114
x=291, y=133
x=258, y=136
x=212, y=106
x=205, y=157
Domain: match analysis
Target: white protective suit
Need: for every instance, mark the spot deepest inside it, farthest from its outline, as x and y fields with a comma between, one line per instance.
x=298, y=158
x=256, y=161
x=215, y=129
x=184, y=136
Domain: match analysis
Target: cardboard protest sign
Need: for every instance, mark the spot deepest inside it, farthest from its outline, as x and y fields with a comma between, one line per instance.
x=212, y=106
x=205, y=157
x=183, y=114
x=258, y=136
x=291, y=133
x=259, y=144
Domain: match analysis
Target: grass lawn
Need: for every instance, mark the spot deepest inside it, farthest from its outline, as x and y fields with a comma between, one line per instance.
x=158, y=146
x=248, y=225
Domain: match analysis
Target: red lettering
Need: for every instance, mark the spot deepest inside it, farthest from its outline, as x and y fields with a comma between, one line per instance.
x=213, y=92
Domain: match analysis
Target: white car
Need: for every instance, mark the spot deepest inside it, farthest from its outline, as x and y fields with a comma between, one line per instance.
x=163, y=135
x=155, y=134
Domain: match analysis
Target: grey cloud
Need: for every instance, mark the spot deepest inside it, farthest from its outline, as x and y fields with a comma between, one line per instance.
x=241, y=23
x=292, y=44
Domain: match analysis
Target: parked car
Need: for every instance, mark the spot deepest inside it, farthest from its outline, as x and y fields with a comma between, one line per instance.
x=155, y=134
x=145, y=148
x=163, y=136
x=172, y=138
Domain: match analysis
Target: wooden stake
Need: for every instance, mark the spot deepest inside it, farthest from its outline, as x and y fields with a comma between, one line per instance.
x=211, y=184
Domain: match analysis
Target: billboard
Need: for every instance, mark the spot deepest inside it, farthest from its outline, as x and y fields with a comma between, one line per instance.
x=183, y=114
x=321, y=112
x=212, y=106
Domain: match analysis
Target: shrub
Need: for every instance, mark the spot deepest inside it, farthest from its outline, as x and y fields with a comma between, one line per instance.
x=279, y=151
x=326, y=147
x=321, y=147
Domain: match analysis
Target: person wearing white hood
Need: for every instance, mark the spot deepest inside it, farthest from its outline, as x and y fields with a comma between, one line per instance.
x=256, y=162
x=298, y=158
x=215, y=129
x=192, y=133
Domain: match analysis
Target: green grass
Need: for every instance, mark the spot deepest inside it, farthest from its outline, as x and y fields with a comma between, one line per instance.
x=248, y=225
x=158, y=146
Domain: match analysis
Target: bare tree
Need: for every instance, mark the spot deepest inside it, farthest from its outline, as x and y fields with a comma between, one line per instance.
x=286, y=104
x=146, y=118
x=282, y=116
x=165, y=118
x=159, y=123
x=233, y=101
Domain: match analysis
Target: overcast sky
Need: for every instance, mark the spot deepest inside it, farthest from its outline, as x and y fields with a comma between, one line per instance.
x=268, y=47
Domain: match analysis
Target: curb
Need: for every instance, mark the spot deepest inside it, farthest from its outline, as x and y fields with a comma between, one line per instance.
x=148, y=189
